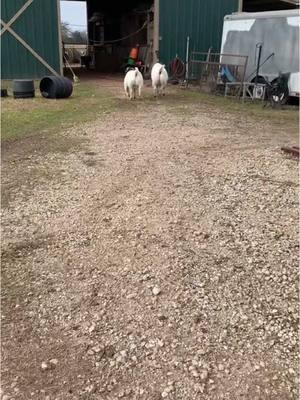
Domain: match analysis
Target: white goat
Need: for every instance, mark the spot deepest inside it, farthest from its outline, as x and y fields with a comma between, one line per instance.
x=133, y=81
x=159, y=77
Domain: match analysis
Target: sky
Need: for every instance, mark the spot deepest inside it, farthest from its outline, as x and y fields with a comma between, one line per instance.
x=74, y=12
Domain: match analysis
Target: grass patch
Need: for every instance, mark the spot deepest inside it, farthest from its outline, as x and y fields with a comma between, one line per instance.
x=185, y=97
x=27, y=117
x=33, y=127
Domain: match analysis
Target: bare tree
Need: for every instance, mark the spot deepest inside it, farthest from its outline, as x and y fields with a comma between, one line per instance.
x=66, y=32
x=69, y=36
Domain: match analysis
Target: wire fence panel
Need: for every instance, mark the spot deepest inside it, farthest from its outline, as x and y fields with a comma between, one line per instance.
x=209, y=70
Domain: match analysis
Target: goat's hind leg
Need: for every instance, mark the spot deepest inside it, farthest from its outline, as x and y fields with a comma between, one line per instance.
x=131, y=93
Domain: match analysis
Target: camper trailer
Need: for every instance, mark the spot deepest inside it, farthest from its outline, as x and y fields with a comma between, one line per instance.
x=271, y=42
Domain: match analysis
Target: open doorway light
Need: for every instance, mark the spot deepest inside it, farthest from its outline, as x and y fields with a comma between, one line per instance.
x=74, y=33
x=73, y=22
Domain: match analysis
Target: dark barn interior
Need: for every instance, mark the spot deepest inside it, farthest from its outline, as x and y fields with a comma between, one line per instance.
x=108, y=22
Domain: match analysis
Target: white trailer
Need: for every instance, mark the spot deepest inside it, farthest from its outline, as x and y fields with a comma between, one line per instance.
x=276, y=33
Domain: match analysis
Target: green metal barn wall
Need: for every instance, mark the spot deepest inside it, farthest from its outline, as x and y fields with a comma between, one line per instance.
x=202, y=20
x=38, y=26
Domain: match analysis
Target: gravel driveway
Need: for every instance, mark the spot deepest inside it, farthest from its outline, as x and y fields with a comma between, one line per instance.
x=157, y=259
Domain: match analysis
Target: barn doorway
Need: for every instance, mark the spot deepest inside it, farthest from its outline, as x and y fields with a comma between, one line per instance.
x=113, y=30
x=74, y=37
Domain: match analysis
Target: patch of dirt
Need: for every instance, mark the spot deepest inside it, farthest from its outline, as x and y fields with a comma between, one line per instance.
x=159, y=261
x=28, y=161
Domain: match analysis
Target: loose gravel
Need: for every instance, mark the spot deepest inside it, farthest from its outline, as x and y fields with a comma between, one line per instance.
x=160, y=261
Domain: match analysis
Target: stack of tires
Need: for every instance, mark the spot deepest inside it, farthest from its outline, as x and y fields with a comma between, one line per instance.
x=56, y=87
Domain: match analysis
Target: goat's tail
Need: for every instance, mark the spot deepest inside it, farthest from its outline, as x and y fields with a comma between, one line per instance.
x=161, y=69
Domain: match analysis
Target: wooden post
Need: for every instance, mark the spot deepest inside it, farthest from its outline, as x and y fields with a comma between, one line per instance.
x=60, y=44
x=156, y=32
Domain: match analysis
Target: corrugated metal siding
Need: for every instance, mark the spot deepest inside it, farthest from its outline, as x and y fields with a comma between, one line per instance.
x=38, y=26
x=202, y=20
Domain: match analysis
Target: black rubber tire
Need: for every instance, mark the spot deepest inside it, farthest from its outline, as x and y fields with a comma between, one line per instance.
x=23, y=88
x=260, y=79
x=21, y=95
x=4, y=93
x=281, y=98
x=56, y=87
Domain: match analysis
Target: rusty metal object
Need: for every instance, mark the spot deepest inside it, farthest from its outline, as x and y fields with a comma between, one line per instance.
x=294, y=150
